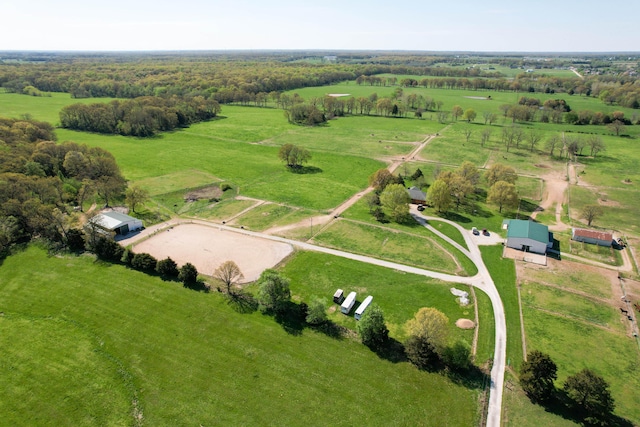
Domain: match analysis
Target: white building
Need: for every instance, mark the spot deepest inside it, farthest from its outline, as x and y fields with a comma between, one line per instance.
x=117, y=222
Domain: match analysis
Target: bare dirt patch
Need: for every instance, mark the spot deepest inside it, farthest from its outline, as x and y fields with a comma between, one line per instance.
x=213, y=192
x=563, y=268
x=465, y=324
x=542, y=166
x=553, y=196
x=207, y=247
x=607, y=202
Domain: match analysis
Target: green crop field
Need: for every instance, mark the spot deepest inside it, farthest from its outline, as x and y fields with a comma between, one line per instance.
x=110, y=346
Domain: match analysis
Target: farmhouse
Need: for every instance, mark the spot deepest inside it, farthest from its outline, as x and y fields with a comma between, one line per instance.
x=417, y=196
x=591, y=236
x=117, y=222
x=528, y=236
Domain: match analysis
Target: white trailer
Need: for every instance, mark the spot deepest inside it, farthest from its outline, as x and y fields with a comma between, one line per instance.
x=348, y=303
x=363, y=307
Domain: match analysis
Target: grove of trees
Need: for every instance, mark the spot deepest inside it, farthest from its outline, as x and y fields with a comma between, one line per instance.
x=41, y=180
x=143, y=116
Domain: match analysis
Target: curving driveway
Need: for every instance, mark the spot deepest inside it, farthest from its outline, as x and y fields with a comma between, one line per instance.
x=482, y=280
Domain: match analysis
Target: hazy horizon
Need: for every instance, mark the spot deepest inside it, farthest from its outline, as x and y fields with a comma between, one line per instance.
x=498, y=26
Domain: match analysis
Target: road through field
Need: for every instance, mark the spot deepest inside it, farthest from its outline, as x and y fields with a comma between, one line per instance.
x=482, y=281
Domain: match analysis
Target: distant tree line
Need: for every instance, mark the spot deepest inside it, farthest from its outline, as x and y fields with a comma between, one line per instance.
x=251, y=78
x=144, y=116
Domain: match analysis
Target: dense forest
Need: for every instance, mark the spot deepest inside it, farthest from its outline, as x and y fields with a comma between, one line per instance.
x=41, y=181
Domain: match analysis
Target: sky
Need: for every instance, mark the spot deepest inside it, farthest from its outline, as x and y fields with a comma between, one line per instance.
x=443, y=25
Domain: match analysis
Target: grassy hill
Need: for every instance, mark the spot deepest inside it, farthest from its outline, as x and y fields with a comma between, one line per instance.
x=85, y=343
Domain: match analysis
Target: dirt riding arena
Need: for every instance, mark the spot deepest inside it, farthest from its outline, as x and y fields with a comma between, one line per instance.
x=207, y=247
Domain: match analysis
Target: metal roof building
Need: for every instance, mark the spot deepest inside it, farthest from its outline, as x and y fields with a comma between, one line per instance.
x=528, y=236
x=117, y=222
x=594, y=237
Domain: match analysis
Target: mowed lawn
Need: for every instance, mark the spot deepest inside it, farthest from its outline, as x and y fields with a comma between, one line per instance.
x=172, y=356
x=400, y=295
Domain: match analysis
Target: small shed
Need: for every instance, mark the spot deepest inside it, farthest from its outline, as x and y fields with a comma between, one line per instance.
x=362, y=307
x=417, y=196
x=594, y=237
x=348, y=303
x=528, y=236
x=338, y=297
x=117, y=222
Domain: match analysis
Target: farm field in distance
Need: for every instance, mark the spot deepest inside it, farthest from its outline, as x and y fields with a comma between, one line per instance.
x=148, y=351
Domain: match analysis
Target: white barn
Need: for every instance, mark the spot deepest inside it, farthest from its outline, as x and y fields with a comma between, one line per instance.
x=117, y=222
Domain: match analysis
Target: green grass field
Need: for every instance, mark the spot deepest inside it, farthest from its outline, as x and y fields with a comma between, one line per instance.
x=189, y=358
x=388, y=244
x=255, y=169
x=399, y=295
x=570, y=344
x=272, y=215
x=41, y=108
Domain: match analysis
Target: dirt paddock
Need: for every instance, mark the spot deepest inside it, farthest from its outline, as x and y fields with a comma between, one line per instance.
x=207, y=247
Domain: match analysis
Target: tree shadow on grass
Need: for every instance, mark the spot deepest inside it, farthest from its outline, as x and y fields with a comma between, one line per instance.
x=305, y=170
x=242, y=302
x=561, y=405
x=528, y=207
x=392, y=351
x=472, y=378
x=198, y=286
x=331, y=330
x=454, y=216
x=291, y=318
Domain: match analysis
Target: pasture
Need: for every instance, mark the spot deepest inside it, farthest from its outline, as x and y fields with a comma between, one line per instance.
x=163, y=354
x=567, y=308
x=141, y=337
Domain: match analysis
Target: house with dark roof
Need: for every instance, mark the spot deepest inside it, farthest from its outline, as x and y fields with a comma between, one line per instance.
x=594, y=237
x=418, y=197
x=116, y=222
x=528, y=236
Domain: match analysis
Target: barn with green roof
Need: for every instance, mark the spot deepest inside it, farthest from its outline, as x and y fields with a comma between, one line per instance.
x=528, y=236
